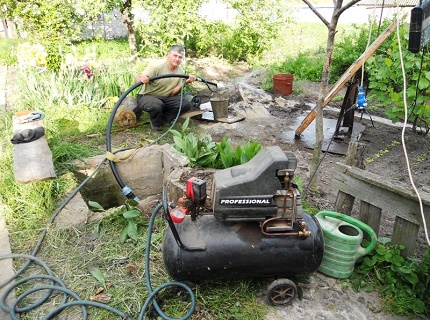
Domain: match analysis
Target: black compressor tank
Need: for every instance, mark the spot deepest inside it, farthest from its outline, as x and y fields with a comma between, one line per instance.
x=257, y=227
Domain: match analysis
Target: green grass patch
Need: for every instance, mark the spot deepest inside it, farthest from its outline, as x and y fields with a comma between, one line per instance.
x=105, y=50
x=8, y=51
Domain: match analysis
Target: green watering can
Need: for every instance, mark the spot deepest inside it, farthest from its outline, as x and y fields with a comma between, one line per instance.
x=342, y=243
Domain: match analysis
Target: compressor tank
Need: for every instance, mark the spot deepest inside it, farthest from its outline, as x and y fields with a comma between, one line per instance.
x=239, y=250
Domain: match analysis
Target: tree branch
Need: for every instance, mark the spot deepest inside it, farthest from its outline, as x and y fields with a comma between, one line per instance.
x=347, y=6
x=317, y=13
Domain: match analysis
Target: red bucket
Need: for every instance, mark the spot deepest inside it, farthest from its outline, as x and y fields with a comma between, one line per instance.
x=283, y=83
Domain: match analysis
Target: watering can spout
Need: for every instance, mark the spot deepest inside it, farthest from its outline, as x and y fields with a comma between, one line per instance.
x=343, y=236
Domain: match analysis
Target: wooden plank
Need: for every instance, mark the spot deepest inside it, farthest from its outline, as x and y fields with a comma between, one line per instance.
x=370, y=215
x=344, y=203
x=348, y=74
x=373, y=189
x=405, y=233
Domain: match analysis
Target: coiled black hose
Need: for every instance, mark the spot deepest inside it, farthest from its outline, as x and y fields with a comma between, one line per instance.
x=125, y=189
x=58, y=285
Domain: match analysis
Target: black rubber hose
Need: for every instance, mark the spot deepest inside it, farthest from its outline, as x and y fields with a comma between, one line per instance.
x=126, y=190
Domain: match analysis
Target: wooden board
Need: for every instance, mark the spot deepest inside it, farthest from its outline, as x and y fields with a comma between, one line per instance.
x=375, y=190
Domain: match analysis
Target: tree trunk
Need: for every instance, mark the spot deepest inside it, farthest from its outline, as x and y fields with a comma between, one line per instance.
x=325, y=77
x=127, y=20
x=319, y=127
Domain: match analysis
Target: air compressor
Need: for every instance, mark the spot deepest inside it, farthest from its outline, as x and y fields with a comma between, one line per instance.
x=257, y=227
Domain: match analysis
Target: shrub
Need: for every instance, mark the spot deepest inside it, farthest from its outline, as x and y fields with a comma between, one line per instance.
x=305, y=66
x=386, y=82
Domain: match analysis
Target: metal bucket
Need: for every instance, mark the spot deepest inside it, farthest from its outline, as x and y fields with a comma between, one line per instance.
x=219, y=107
x=343, y=236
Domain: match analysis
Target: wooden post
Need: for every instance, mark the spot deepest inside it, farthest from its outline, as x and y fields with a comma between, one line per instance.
x=348, y=74
x=355, y=154
x=344, y=203
x=405, y=233
x=354, y=158
x=370, y=215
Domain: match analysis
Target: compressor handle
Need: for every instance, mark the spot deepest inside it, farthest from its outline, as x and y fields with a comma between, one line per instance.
x=357, y=223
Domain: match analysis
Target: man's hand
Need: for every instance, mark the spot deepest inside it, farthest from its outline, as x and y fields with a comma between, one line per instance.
x=141, y=78
x=190, y=79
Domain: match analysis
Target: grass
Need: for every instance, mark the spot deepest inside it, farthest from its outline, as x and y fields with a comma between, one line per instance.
x=7, y=51
x=104, y=50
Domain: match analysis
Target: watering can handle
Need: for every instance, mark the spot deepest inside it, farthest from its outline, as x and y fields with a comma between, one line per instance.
x=354, y=222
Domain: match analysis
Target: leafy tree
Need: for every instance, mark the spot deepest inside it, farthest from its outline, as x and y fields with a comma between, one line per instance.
x=252, y=31
x=55, y=20
x=257, y=23
x=170, y=22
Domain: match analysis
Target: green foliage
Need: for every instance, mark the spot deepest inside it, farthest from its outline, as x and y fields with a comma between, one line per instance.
x=198, y=150
x=252, y=31
x=201, y=151
x=303, y=66
x=102, y=50
x=350, y=44
x=204, y=35
x=227, y=157
x=8, y=51
x=257, y=23
x=169, y=24
x=128, y=217
x=404, y=284
x=53, y=20
x=56, y=51
x=386, y=81
x=77, y=85
x=98, y=274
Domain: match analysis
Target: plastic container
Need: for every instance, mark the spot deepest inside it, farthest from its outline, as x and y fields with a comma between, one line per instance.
x=283, y=83
x=343, y=236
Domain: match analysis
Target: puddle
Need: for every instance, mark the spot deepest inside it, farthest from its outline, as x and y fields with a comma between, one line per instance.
x=338, y=145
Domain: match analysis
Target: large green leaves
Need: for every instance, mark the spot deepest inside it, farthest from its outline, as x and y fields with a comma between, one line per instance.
x=201, y=151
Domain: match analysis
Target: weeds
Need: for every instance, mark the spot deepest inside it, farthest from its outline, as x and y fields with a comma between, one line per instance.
x=402, y=283
x=380, y=153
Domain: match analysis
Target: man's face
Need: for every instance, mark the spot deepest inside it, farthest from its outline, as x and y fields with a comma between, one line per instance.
x=175, y=58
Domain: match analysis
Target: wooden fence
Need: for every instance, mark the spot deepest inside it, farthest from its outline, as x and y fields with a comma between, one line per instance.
x=377, y=197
